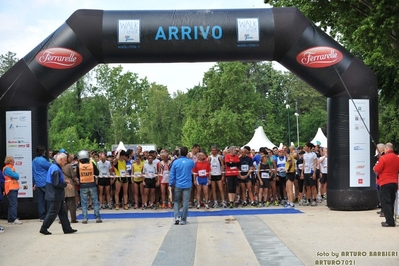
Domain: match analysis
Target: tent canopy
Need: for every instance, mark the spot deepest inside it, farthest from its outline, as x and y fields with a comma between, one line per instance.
x=259, y=140
x=320, y=138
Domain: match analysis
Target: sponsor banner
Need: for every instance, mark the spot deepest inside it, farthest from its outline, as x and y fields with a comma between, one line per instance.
x=19, y=145
x=248, y=29
x=59, y=58
x=319, y=57
x=129, y=31
x=359, y=143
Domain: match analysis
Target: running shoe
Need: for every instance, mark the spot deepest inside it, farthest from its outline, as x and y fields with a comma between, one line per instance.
x=1, y=229
x=198, y=206
x=224, y=205
x=306, y=203
x=215, y=205
x=163, y=206
x=268, y=203
x=16, y=221
x=236, y=204
x=206, y=206
x=190, y=205
x=126, y=207
x=170, y=206
x=117, y=207
x=110, y=206
x=314, y=203
x=244, y=203
x=253, y=204
x=231, y=205
x=260, y=205
x=276, y=203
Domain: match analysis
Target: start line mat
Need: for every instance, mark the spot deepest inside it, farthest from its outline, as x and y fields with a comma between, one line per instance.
x=194, y=213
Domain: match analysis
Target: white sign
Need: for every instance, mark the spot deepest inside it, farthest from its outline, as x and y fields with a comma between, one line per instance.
x=359, y=143
x=248, y=29
x=129, y=31
x=19, y=145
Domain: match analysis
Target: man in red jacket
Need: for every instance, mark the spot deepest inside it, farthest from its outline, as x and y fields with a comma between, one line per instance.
x=387, y=168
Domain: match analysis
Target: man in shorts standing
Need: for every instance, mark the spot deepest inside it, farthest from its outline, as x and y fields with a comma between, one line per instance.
x=309, y=174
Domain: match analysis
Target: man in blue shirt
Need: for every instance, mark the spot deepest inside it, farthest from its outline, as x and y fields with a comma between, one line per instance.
x=182, y=181
x=40, y=165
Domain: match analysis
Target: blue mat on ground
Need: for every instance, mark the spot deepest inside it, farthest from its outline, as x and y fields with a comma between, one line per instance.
x=169, y=213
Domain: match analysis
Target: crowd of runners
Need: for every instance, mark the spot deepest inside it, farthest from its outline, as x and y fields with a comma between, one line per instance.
x=226, y=178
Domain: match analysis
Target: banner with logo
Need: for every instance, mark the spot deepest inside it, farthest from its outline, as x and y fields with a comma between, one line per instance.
x=19, y=145
x=359, y=143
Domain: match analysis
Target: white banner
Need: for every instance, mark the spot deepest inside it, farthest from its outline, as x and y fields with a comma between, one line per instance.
x=359, y=143
x=19, y=145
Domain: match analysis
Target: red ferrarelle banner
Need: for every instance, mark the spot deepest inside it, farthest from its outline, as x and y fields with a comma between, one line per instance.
x=319, y=57
x=58, y=58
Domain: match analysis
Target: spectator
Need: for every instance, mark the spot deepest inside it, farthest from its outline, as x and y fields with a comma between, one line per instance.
x=11, y=187
x=40, y=166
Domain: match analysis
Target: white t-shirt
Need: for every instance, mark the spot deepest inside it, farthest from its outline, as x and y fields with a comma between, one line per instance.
x=323, y=165
x=308, y=162
x=150, y=170
x=104, y=168
x=216, y=168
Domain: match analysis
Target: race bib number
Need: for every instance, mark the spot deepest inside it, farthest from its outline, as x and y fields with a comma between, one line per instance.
x=103, y=173
x=202, y=172
x=150, y=174
x=233, y=167
x=244, y=168
x=265, y=175
x=215, y=165
x=128, y=167
x=137, y=174
x=122, y=173
x=300, y=166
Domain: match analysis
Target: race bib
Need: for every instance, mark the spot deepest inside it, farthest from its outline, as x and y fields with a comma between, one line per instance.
x=103, y=173
x=307, y=169
x=202, y=172
x=244, y=168
x=137, y=174
x=281, y=169
x=300, y=166
x=150, y=174
x=122, y=173
x=265, y=175
x=128, y=167
x=165, y=178
x=233, y=167
x=215, y=165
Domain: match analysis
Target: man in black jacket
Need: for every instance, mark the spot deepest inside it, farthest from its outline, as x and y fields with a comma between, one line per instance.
x=55, y=194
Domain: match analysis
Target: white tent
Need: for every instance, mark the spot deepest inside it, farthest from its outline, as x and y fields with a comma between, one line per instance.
x=320, y=137
x=260, y=140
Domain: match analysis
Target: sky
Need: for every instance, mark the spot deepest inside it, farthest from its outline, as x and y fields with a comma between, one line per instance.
x=25, y=23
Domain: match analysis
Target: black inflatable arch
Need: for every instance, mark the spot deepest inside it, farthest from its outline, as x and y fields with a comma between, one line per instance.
x=90, y=37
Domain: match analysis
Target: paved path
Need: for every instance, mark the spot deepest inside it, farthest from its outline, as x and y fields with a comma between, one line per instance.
x=312, y=237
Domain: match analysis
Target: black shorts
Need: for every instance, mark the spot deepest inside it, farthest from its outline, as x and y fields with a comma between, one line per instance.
x=265, y=183
x=290, y=176
x=103, y=181
x=138, y=182
x=150, y=182
x=246, y=180
x=216, y=178
x=323, y=179
x=232, y=182
x=122, y=180
x=308, y=181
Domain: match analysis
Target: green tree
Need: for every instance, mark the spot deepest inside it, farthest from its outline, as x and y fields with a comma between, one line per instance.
x=7, y=61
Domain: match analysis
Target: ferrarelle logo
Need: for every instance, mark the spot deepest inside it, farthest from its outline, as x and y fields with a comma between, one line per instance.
x=59, y=58
x=319, y=57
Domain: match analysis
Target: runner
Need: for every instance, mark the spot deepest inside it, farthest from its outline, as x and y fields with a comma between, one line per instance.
x=232, y=162
x=138, y=186
x=202, y=176
x=217, y=176
x=150, y=182
x=246, y=167
x=264, y=174
x=164, y=170
x=309, y=174
x=323, y=180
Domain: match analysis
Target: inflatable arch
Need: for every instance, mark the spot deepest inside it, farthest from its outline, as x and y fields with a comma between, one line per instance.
x=285, y=35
